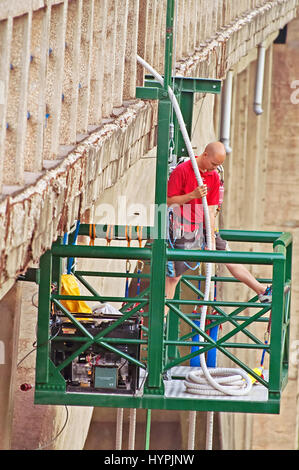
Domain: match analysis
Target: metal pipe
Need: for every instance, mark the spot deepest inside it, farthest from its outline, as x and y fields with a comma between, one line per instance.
x=259, y=81
x=110, y=252
x=226, y=107
x=119, y=428
x=214, y=256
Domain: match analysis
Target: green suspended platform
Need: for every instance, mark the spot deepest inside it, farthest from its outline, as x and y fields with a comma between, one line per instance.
x=164, y=349
x=70, y=344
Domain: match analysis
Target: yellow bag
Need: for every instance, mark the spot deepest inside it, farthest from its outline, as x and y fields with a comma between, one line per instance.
x=69, y=286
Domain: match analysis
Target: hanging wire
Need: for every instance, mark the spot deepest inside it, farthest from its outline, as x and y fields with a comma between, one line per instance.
x=59, y=433
x=198, y=115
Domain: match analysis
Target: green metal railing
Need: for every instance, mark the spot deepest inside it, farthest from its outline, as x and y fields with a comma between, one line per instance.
x=50, y=385
x=277, y=348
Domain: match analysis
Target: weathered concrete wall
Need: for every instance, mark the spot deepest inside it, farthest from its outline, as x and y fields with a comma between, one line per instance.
x=281, y=212
x=85, y=132
x=261, y=181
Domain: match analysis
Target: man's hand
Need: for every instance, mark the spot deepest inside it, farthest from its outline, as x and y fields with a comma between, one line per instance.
x=182, y=199
x=200, y=191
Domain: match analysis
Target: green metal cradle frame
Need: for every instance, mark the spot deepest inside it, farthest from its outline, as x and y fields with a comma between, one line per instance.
x=162, y=351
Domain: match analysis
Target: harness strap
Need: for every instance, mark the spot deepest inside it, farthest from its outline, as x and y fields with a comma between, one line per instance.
x=109, y=234
x=92, y=234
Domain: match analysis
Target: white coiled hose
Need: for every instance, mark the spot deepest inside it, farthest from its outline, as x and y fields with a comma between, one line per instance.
x=213, y=381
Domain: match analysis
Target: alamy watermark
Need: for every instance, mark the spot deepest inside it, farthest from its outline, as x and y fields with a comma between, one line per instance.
x=154, y=216
x=295, y=94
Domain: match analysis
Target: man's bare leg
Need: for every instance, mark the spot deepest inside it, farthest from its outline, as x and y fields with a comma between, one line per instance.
x=170, y=286
x=241, y=273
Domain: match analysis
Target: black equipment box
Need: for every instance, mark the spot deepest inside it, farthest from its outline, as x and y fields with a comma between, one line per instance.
x=97, y=369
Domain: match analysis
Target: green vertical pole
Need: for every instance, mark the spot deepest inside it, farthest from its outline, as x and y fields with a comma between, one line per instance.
x=44, y=307
x=57, y=266
x=173, y=328
x=158, y=261
x=186, y=105
x=275, y=368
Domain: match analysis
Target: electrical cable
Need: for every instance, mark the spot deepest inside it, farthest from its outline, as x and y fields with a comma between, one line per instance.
x=67, y=413
x=35, y=347
x=58, y=434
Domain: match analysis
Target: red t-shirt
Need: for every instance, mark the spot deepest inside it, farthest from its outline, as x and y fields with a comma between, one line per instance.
x=183, y=181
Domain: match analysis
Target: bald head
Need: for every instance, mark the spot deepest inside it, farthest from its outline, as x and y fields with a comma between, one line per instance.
x=213, y=155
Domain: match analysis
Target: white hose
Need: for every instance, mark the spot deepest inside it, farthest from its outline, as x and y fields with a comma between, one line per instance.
x=213, y=381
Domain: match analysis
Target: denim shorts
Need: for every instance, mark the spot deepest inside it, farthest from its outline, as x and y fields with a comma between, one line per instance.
x=188, y=241
x=191, y=241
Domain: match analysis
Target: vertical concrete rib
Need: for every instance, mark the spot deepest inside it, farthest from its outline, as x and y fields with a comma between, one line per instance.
x=70, y=88
x=13, y=165
x=5, y=45
x=120, y=51
x=97, y=62
x=55, y=74
x=179, y=43
x=252, y=151
x=142, y=37
x=109, y=47
x=231, y=162
x=186, y=38
x=240, y=144
x=265, y=133
x=130, y=72
x=159, y=27
x=214, y=15
x=160, y=63
x=85, y=65
x=193, y=21
x=36, y=90
x=150, y=31
x=200, y=24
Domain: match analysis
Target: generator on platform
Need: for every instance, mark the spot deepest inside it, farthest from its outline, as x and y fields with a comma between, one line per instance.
x=96, y=369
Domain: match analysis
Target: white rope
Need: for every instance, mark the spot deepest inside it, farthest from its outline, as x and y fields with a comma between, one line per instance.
x=209, y=433
x=191, y=430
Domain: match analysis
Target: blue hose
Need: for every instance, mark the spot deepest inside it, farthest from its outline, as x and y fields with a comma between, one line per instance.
x=212, y=353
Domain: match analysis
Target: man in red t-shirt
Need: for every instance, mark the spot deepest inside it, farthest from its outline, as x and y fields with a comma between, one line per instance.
x=184, y=195
x=186, y=228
